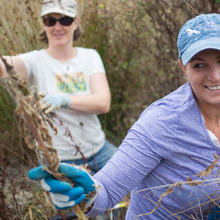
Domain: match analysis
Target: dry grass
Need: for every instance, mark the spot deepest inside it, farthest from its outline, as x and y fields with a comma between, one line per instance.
x=20, y=25
x=33, y=124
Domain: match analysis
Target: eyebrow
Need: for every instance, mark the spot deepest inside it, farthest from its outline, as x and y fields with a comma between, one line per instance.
x=200, y=59
x=196, y=58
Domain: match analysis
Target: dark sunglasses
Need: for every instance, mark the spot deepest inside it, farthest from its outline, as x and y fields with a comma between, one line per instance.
x=51, y=21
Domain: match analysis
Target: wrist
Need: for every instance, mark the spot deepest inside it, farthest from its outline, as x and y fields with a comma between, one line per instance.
x=90, y=202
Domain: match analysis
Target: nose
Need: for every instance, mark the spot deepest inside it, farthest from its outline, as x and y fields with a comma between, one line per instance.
x=214, y=74
x=57, y=25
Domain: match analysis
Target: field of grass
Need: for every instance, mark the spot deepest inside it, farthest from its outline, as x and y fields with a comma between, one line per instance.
x=137, y=42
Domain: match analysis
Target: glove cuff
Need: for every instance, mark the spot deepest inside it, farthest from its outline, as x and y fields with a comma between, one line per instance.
x=89, y=203
x=67, y=100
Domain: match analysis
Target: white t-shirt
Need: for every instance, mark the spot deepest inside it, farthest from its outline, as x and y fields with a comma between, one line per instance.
x=51, y=76
x=212, y=136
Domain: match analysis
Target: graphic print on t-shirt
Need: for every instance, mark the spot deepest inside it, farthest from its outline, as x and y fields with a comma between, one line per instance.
x=71, y=82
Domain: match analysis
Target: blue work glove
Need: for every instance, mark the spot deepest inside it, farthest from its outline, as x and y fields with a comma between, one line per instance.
x=214, y=214
x=62, y=194
x=55, y=101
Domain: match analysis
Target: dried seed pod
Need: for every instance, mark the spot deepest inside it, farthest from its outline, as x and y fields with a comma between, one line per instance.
x=33, y=123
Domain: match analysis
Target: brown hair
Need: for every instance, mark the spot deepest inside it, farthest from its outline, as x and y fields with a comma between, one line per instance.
x=76, y=34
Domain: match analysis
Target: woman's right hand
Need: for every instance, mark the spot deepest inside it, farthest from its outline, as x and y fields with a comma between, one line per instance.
x=62, y=194
x=2, y=69
x=17, y=64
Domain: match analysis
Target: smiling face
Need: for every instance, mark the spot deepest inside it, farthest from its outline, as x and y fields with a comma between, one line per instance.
x=203, y=74
x=60, y=35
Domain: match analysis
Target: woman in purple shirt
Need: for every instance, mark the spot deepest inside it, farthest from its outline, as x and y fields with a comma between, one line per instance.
x=169, y=160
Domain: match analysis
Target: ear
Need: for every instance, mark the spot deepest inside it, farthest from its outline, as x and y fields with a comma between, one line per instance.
x=182, y=66
x=76, y=21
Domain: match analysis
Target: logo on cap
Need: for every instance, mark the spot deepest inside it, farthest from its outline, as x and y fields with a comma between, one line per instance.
x=191, y=32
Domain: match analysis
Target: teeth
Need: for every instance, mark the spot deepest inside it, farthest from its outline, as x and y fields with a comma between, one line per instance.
x=60, y=34
x=213, y=87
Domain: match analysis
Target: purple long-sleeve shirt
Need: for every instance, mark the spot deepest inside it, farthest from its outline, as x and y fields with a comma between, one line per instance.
x=169, y=143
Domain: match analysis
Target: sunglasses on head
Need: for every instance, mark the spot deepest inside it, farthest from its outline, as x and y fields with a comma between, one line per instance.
x=51, y=21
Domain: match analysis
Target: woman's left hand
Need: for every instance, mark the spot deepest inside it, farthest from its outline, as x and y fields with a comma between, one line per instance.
x=52, y=102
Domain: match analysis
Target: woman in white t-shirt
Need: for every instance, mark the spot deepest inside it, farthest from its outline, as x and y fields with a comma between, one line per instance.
x=74, y=83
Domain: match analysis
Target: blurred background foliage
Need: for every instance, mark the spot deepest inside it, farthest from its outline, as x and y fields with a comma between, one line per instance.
x=136, y=40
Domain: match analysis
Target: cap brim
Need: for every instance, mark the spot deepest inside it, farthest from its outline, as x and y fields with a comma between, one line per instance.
x=198, y=46
x=57, y=10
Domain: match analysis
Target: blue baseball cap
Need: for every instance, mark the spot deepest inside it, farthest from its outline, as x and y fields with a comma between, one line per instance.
x=199, y=33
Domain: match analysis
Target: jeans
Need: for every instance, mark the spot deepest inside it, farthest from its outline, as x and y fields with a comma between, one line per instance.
x=97, y=161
